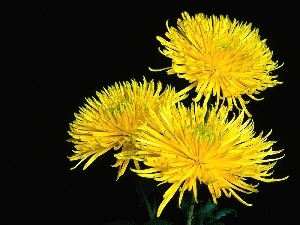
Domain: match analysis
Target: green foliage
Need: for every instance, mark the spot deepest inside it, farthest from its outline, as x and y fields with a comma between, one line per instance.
x=206, y=211
x=208, y=214
x=220, y=213
x=202, y=214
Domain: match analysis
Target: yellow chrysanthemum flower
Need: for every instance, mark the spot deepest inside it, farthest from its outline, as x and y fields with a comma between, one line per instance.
x=182, y=146
x=111, y=120
x=220, y=57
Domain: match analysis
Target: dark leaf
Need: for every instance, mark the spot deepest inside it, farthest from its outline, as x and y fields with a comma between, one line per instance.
x=207, y=210
x=221, y=213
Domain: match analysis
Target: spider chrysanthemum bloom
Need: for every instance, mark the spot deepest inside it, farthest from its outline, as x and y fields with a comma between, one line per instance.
x=111, y=120
x=183, y=146
x=220, y=57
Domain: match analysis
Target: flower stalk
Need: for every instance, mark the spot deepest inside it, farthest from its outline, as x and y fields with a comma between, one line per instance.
x=190, y=212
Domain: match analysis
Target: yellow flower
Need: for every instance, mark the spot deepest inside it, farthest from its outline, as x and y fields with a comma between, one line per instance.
x=111, y=120
x=220, y=57
x=182, y=146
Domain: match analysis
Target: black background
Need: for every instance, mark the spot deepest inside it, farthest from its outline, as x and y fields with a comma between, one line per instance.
x=56, y=54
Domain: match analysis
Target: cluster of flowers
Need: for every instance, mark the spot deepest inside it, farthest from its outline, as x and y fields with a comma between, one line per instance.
x=171, y=143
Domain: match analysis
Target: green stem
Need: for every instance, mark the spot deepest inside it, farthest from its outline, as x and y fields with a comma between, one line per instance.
x=151, y=213
x=190, y=212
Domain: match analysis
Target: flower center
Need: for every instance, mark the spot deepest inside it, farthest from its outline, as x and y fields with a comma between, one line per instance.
x=203, y=131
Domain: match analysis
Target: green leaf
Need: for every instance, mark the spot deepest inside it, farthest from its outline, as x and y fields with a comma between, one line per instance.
x=120, y=222
x=157, y=221
x=207, y=210
x=221, y=213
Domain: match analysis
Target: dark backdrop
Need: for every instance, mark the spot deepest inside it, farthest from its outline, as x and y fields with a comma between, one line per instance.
x=56, y=54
